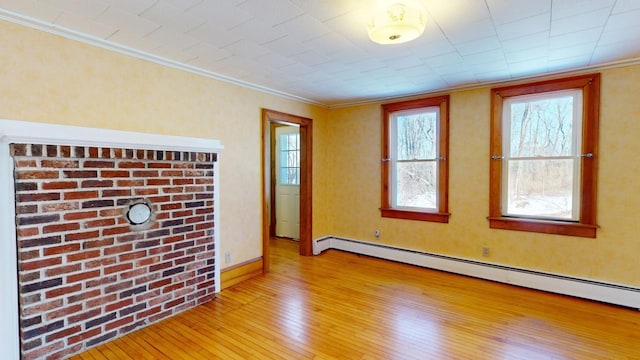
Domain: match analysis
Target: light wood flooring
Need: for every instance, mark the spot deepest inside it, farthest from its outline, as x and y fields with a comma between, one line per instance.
x=343, y=306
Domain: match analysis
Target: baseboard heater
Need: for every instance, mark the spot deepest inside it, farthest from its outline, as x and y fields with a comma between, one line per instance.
x=561, y=284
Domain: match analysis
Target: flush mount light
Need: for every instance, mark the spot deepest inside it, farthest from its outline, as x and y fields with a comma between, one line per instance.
x=396, y=24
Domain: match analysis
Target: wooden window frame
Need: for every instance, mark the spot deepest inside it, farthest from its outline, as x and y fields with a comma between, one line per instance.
x=441, y=215
x=586, y=225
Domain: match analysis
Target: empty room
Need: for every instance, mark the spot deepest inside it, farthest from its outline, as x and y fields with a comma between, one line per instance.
x=300, y=179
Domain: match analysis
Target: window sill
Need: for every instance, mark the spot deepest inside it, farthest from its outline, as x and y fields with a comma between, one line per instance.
x=415, y=215
x=543, y=226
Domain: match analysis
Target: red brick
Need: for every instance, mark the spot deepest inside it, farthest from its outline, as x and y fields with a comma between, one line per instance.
x=145, y=173
x=204, y=181
x=159, y=250
x=28, y=197
x=170, y=206
x=182, y=181
x=111, y=212
x=115, y=230
x=29, y=255
x=148, y=261
x=159, y=165
x=133, y=255
x=182, y=197
x=26, y=163
x=37, y=174
x=83, y=255
x=160, y=199
x=41, y=351
x=160, y=299
x=64, y=333
x=84, y=295
x=58, y=185
x=131, y=164
x=117, y=268
x=195, y=219
x=61, y=227
x=172, y=287
x=81, y=235
x=132, y=273
x=62, y=269
x=160, y=316
x=100, y=262
x=40, y=264
x=97, y=243
x=97, y=183
x=159, y=283
x=182, y=213
x=116, y=192
x=173, y=190
x=83, y=276
x=41, y=307
x=64, y=312
x=194, y=235
x=62, y=164
x=80, y=215
x=100, y=301
x=118, y=249
x=147, y=279
x=61, y=249
x=57, y=207
x=75, y=195
x=114, y=173
x=145, y=314
x=146, y=191
x=85, y=335
x=98, y=164
x=161, y=266
x=158, y=182
x=173, y=239
x=100, y=223
x=63, y=291
x=118, y=305
x=172, y=173
x=147, y=295
x=130, y=183
x=27, y=232
x=119, y=323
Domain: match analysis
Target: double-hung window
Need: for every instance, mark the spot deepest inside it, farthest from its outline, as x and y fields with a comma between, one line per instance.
x=414, y=159
x=543, y=153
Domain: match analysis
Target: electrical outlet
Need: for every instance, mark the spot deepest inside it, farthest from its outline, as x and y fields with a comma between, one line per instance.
x=486, y=251
x=227, y=257
x=376, y=233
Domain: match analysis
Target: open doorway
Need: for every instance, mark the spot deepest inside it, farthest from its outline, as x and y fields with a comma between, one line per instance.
x=296, y=131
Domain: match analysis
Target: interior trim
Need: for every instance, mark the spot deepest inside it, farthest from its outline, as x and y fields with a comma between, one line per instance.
x=607, y=292
x=240, y=272
x=56, y=29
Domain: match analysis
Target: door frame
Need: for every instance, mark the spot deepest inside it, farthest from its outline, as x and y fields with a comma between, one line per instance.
x=306, y=140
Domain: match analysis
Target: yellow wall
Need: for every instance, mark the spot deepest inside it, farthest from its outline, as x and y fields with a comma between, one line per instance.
x=47, y=78
x=354, y=190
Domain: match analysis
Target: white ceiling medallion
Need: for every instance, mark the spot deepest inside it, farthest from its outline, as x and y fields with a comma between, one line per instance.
x=397, y=23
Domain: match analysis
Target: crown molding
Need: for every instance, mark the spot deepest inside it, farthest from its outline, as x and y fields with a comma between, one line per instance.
x=65, y=32
x=56, y=29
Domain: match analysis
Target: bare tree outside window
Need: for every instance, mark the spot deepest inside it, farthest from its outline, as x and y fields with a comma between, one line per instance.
x=541, y=158
x=417, y=160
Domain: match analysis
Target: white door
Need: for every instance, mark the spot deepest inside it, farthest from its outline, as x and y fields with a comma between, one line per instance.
x=288, y=182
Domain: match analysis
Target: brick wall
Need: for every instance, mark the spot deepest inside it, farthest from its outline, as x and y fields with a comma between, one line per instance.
x=86, y=275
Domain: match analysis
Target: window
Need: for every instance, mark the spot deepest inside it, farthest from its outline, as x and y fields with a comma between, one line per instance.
x=415, y=159
x=543, y=156
x=290, y=159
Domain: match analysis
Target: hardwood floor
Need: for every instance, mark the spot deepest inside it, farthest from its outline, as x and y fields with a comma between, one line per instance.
x=343, y=306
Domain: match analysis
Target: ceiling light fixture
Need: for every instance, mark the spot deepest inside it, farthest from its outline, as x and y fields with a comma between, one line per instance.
x=397, y=24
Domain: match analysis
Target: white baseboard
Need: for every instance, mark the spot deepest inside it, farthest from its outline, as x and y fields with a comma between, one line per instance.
x=561, y=284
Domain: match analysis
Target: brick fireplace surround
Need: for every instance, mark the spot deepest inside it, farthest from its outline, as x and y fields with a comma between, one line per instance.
x=86, y=274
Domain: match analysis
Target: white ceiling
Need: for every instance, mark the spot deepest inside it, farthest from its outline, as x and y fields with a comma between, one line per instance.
x=318, y=50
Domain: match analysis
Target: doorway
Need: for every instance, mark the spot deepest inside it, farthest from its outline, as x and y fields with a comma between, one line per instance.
x=271, y=121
